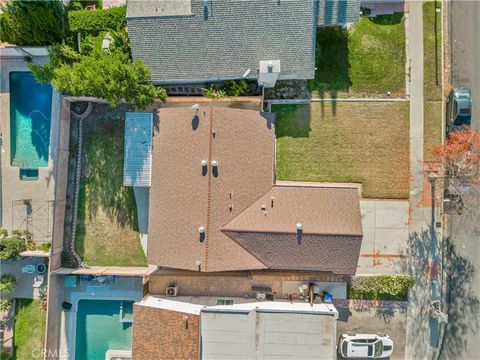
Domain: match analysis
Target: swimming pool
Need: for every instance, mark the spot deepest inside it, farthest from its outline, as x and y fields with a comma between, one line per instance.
x=30, y=118
x=101, y=327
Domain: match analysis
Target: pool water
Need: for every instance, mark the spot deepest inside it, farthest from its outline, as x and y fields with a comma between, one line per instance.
x=30, y=117
x=100, y=328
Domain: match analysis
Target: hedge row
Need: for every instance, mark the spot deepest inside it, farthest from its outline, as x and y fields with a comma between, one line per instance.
x=92, y=22
x=380, y=287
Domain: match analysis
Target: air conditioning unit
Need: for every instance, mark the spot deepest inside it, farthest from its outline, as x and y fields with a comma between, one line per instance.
x=172, y=290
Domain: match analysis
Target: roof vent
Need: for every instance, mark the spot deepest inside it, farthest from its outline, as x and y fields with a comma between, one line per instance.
x=201, y=230
x=204, y=163
x=300, y=226
x=214, y=163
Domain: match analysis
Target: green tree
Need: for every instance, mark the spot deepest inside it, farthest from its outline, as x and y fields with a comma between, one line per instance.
x=5, y=304
x=32, y=22
x=109, y=76
x=7, y=283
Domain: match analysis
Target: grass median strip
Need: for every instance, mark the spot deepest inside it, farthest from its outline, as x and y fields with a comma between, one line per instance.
x=346, y=142
x=432, y=60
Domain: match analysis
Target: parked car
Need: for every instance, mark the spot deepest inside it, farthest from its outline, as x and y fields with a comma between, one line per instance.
x=459, y=109
x=374, y=346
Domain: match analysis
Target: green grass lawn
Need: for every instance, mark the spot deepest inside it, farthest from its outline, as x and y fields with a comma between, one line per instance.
x=346, y=142
x=29, y=330
x=432, y=91
x=367, y=60
x=107, y=216
x=432, y=128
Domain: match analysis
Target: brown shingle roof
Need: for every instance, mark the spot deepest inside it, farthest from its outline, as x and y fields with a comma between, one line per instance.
x=182, y=199
x=228, y=203
x=321, y=210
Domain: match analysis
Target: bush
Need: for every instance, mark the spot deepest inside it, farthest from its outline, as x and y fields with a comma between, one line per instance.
x=237, y=87
x=3, y=233
x=380, y=287
x=5, y=304
x=11, y=247
x=32, y=22
x=44, y=247
x=213, y=92
x=7, y=283
x=92, y=22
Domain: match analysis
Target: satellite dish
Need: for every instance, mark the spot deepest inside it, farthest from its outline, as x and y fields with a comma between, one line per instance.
x=245, y=74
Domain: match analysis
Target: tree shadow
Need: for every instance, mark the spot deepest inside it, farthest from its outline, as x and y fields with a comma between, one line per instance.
x=331, y=62
x=392, y=19
x=463, y=304
x=292, y=120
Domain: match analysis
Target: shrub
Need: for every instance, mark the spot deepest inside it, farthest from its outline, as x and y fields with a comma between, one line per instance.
x=5, y=304
x=3, y=233
x=11, y=247
x=44, y=247
x=32, y=22
x=380, y=287
x=213, y=93
x=237, y=87
x=92, y=22
x=7, y=283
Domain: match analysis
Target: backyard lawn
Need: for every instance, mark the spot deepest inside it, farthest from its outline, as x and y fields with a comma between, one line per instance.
x=367, y=60
x=29, y=328
x=346, y=142
x=107, y=216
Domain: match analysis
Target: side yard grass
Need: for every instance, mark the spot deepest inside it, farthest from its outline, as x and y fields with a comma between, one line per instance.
x=367, y=60
x=432, y=91
x=29, y=331
x=107, y=230
x=346, y=142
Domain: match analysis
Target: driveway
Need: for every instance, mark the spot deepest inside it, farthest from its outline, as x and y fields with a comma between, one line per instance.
x=385, y=236
x=23, y=288
x=390, y=320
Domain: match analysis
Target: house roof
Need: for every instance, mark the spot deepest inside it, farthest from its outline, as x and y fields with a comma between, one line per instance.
x=138, y=149
x=226, y=200
x=338, y=12
x=222, y=39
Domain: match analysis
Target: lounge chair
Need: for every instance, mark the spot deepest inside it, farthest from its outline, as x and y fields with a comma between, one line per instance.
x=39, y=279
x=28, y=269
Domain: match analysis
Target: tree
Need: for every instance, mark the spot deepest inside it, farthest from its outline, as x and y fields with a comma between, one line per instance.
x=7, y=283
x=461, y=171
x=111, y=76
x=5, y=304
x=32, y=22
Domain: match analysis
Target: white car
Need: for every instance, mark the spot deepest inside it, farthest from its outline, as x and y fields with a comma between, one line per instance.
x=374, y=346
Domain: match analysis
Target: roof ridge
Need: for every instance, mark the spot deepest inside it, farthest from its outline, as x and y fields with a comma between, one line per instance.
x=209, y=187
x=326, y=233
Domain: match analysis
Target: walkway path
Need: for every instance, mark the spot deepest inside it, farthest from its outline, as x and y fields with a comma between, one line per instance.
x=424, y=255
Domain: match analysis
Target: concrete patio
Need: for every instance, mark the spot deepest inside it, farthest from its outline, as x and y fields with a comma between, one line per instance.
x=24, y=285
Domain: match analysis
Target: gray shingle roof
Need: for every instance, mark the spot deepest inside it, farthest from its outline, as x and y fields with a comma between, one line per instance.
x=224, y=38
x=338, y=12
x=137, y=162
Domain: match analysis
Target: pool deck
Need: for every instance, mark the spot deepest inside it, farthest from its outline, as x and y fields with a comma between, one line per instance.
x=41, y=193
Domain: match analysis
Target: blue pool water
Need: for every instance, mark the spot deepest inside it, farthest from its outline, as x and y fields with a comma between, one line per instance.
x=99, y=329
x=30, y=117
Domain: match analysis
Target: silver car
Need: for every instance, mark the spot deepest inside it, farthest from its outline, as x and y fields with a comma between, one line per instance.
x=459, y=109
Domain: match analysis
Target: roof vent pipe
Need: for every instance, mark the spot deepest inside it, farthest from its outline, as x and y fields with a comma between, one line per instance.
x=204, y=163
x=300, y=226
x=201, y=229
x=214, y=163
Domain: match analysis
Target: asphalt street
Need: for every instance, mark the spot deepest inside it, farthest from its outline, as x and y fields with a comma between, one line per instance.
x=462, y=333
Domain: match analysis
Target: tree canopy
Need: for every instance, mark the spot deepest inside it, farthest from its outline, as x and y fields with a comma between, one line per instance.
x=32, y=22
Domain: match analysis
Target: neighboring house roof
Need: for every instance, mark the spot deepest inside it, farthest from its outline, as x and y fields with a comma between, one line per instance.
x=222, y=39
x=227, y=200
x=338, y=12
x=138, y=149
